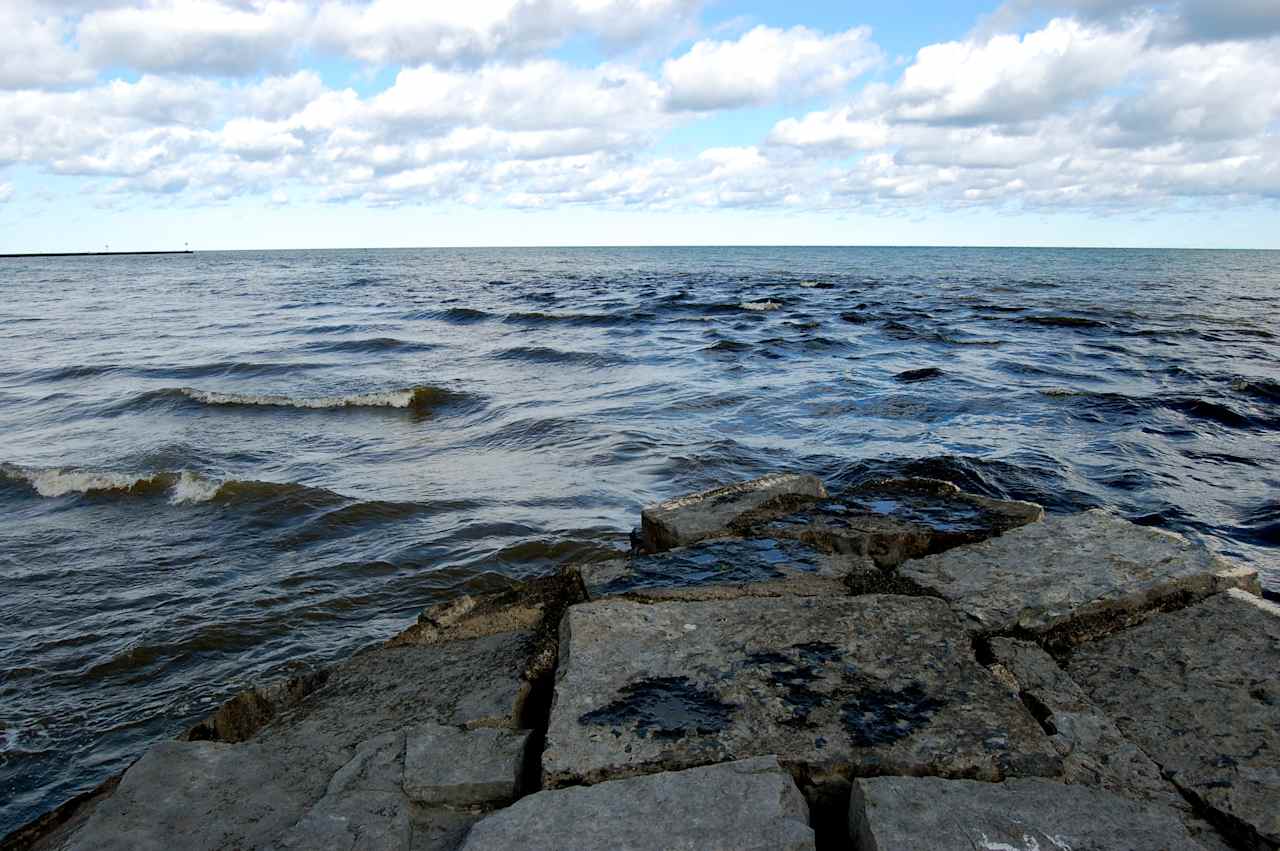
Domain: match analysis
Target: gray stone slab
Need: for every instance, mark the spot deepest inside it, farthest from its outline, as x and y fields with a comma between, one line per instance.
x=720, y=569
x=914, y=813
x=713, y=513
x=1094, y=751
x=329, y=766
x=889, y=521
x=1199, y=691
x=1071, y=578
x=751, y=804
x=199, y=795
x=457, y=767
x=834, y=687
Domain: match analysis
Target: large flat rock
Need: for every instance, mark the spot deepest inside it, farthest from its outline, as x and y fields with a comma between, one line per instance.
x=889, y=521
x=329, y=770
x=833, y=687
x=914, y=813
x=1071, y=578
x=715, y=513
x=1199, y=691
x=752, y=804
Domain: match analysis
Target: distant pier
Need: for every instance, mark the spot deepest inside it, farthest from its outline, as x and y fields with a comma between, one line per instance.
x=92, y=253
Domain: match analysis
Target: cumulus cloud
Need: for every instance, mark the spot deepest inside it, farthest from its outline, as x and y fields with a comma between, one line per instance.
x=1098, y=110
x=193, y=36
x=413, y=32
x=1180, y=21
x=33, y=49
x=1009, y=78
x=767, y=64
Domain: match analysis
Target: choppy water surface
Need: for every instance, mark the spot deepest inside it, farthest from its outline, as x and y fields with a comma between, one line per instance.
x=216, y=467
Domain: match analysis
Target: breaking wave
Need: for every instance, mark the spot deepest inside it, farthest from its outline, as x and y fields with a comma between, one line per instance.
x=421, y=398
x=182, y=486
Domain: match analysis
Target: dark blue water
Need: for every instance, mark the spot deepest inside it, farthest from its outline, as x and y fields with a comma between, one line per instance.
x=217, y=467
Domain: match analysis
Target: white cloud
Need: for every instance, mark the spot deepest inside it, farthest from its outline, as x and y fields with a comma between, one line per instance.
x=413, y=32
x=1095, y=113
x=6, y=192
x=194, y=36
x=832, y=128
x=767, y=64
x=1011, y=78
x=1179, y=21
x=33, y=49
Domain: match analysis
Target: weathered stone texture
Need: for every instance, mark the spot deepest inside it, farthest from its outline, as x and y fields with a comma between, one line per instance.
x=450, y=766
x=752, y=804
x=834, y=687
x=327, y=772
x=1198, y=691
x=713, y=513
x=913, y=813
x=1069, y=579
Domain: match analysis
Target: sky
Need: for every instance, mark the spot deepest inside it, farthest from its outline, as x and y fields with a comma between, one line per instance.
x=255, y=124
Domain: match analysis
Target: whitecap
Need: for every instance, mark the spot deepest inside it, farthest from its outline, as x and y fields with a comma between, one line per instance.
x=760, y=305
x=192, y=488
x=386, y=399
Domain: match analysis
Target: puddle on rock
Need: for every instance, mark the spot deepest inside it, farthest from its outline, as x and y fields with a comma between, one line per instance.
x=664, y=708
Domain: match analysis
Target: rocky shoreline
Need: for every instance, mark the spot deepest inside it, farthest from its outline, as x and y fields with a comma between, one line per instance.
x=900, y=666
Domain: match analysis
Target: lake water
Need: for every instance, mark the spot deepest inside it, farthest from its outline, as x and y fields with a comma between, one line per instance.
x=215, y=468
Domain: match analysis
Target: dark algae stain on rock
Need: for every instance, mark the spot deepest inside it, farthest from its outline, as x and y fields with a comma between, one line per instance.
x=664, y=708
x=876, y=716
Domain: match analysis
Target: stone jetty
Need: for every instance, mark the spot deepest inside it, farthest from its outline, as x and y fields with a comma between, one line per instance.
x=900, y=665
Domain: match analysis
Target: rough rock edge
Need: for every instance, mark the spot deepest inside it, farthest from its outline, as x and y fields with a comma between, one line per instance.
x=1050, y=695
x=536, y=605
x=800, y=489
x=1101, y=618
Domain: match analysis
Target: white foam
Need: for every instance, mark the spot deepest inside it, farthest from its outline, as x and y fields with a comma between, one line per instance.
x=808, y=284
x=388, y=399
x=61, y=481
x=191, y=488
x=759, y=305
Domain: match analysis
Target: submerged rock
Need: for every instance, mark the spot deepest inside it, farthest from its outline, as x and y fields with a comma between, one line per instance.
x=714, y=513
x=752, y=804
x=834, y=687
x=912, y=813
x=890, y=521
x=1071, y=578
x=723, y=568
x=1198, y=691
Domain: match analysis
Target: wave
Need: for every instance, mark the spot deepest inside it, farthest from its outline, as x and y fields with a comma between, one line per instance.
x=453, y=314
x=583, y=319
x=421, y=399
x=184, y=487
x=544, y=354
x=1062, y=321
x=760, y=305
x=374, y=344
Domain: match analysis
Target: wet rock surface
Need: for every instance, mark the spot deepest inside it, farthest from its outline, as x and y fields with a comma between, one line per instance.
x=720, y=569
x=912, y=813
x=890, y=521
x=1072, y=578
x=833, y=687
x=751, y=804
x=730, y=694
x=714, y=513
x=1198, y=691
